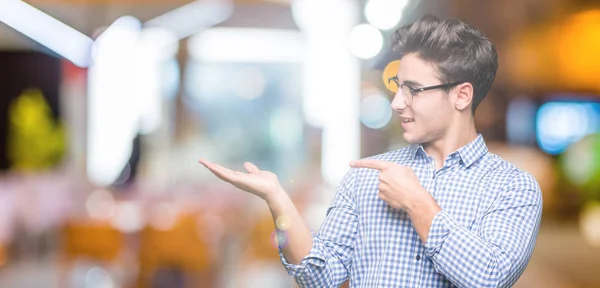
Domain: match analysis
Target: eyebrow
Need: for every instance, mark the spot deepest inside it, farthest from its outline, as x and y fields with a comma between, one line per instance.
x=412, y=83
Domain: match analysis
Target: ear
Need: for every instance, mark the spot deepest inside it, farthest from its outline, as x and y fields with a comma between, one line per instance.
x=464, y=96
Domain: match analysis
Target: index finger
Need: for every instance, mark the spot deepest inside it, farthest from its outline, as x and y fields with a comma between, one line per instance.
x=370, y=163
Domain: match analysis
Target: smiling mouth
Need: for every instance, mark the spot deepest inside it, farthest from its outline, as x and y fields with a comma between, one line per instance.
x=407, y=120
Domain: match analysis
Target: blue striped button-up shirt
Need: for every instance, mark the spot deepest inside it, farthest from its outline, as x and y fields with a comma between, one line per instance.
x=483, y=237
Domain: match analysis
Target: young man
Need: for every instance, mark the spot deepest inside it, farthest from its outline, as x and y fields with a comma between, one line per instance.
x=441, y=212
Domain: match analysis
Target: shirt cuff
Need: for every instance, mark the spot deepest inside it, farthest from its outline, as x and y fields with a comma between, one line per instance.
x=441, y=226
x=315, y=257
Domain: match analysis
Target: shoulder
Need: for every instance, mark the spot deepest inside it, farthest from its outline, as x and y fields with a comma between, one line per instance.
x=514, y=182
x=399, y=156
x=365, y=176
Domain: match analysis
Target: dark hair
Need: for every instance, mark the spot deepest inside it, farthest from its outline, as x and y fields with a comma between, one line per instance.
x=458, y=51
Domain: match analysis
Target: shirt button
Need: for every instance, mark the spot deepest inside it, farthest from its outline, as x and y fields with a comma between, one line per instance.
x=418, y=257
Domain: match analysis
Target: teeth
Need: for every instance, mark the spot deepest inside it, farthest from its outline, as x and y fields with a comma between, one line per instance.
x=407, y=120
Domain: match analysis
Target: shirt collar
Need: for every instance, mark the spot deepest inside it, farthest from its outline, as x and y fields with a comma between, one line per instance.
x=473, y=151
x=417, y=150
x=468, y=153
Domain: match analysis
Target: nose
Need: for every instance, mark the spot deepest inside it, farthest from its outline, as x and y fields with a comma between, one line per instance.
x=399, y=102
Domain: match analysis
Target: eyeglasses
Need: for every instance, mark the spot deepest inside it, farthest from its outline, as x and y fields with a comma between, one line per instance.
x=409, y=92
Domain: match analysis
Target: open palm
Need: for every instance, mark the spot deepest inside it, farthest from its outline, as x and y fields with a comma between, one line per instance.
x=258, y=182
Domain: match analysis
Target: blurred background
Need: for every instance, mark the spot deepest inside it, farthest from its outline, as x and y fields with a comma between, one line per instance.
x=105, y=107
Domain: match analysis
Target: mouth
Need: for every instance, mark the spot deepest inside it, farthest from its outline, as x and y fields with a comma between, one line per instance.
x=407, y=120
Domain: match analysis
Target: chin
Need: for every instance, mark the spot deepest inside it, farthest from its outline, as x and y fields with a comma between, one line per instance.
x=411, y=138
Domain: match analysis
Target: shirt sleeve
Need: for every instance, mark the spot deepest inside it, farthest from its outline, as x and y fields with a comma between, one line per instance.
x=329, y=261
x=496, y=254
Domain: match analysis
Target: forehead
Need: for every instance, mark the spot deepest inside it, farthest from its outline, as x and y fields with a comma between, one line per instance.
x=413, y=68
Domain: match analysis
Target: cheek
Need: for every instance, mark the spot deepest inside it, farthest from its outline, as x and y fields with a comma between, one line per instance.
x=434, y=113
x=443, y=106
x=430, y=109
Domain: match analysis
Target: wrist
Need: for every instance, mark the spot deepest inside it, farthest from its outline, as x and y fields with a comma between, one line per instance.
x=275, y=197
x=427, y=206
x=422, y=215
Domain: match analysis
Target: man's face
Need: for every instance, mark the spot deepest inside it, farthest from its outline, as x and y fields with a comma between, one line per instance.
x=429, y=115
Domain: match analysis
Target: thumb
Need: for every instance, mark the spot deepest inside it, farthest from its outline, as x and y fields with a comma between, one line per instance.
x=251, y=168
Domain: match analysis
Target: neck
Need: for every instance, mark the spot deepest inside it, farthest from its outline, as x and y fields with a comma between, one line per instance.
x=455, y=138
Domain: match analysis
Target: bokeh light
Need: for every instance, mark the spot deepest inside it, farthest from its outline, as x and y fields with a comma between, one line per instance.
x=164, y=216
x=365, y=41
x=384, y=14
x=375, y=111
x=98, y=277
x=248, y=83
x=560, y=124
x=590, y=224
x=581, y=165
x=279, y=238
x=286, y=127
x=127, y=217
x=283, y=222
x=100, y=204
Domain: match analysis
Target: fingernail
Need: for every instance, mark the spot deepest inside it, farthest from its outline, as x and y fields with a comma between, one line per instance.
x=352, y=163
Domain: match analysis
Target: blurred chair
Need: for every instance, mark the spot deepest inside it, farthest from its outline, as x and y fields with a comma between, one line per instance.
x=168, y=255
x=89, y=240
x=259, y=264
x=3, y=255
x=96, y=240
x=261, y=242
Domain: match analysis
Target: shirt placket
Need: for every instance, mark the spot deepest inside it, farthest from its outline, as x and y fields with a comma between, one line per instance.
x=433, y=177
x=432, y=184
x=429, y=185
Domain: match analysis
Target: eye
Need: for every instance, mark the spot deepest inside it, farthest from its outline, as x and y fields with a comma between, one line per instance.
x=414, y=91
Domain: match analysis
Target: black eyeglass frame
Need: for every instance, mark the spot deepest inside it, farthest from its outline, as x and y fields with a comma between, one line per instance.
x=414, y=91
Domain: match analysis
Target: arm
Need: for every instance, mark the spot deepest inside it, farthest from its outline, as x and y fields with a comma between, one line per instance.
x=329, y=260
x=497, y=254
x=298, y=238
x=323, y=260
